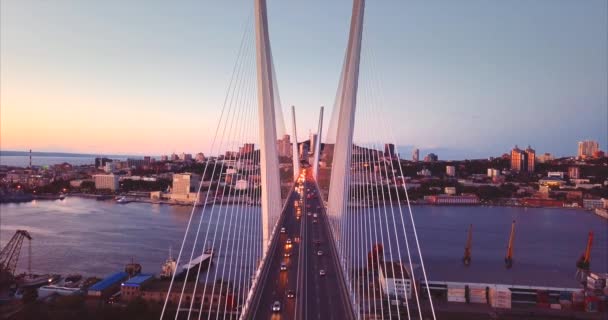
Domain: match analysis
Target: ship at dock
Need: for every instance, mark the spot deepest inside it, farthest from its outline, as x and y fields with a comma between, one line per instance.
x=602, y=212
x=187, y=271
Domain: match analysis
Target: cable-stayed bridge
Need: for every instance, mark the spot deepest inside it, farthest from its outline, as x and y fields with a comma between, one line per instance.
x=317, y=229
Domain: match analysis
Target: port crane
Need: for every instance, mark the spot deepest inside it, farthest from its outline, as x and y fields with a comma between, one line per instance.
x=467, y=249
x=584, y=261
x=509, y=256
x=9, y=256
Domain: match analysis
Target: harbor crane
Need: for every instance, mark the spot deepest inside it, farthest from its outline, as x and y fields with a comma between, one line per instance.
x=467, y=249
x=509, y=256
x=584, y=261
x=9, y=256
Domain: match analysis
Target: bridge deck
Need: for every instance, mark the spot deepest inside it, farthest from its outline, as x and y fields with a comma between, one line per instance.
x=316, y=296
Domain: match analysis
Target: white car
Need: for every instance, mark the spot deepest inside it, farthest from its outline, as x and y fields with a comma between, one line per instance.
x=283, y=230
x=276, y=306
x=321, y=272
x=288, y=241
x=319, y=253
x=283, y=267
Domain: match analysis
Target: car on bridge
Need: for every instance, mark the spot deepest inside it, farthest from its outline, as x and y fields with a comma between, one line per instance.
x=283, y=266
x=283, y=230
x=276, y=306
x=319, y=253
x=291, y=294
x=322, y=272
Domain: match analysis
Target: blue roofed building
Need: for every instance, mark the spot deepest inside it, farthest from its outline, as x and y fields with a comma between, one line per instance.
x=131, y=289
x=108, y=286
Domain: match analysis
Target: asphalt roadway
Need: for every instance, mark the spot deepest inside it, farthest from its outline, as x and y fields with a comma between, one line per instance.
x=316, y=296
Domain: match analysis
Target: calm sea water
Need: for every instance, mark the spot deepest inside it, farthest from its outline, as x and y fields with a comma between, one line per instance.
x=23, y=161
x=92, y=237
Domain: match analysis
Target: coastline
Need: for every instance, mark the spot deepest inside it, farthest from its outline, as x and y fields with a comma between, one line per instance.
x=100, y=197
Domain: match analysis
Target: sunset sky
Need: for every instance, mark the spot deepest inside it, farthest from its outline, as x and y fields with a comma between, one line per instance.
x=472, y=78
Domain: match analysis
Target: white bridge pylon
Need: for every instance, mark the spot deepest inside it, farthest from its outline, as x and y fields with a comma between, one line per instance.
x=269, y=157
x=345, y=114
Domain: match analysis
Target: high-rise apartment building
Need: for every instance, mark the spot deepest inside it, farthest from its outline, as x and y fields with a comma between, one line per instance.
x=519, y=160
x=531, y=154
x=284, y=146
x=523, y=161
x=313, y=142
x=416, y=155
x=587, y=148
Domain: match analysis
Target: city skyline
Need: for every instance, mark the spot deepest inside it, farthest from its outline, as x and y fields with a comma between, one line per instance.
x=439, y=78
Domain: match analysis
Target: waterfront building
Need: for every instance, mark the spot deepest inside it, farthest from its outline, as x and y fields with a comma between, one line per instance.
x=395, y=280
x=542, y=202
x=450, y=171
x=108, y=286
x=164, y=158
x=106, y=181
x=185, y=186
x=416, y=155
x=131, y=289
x=586, y=148
x=443, y=199
x=156, y=292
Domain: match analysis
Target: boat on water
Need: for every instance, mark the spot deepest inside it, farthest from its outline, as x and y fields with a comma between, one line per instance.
x=169, y=267
x=45, y=291
x=38, y=280
x=72, y=281
x=133, y=268
x=602, y=212
x=122, y=200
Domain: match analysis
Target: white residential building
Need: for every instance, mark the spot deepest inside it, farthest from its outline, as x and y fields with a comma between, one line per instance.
x=106, y=181
x=395, y=280
x=450, y=171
